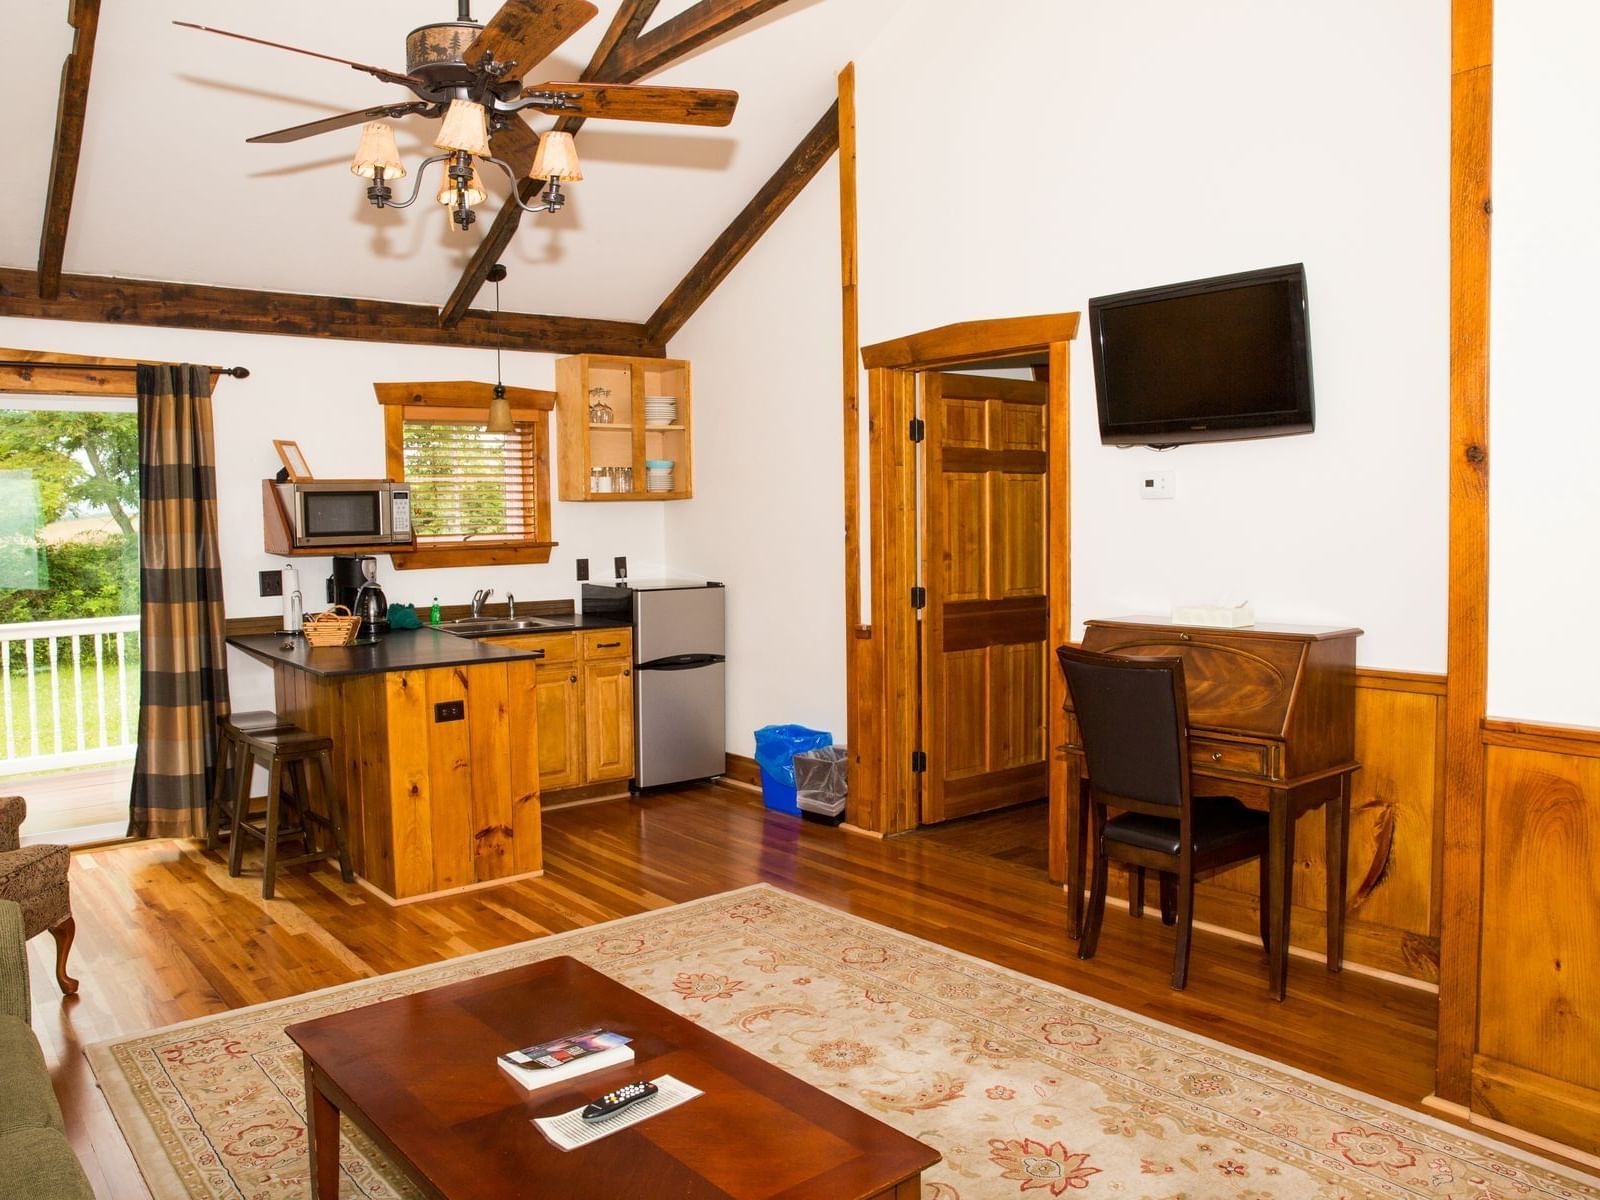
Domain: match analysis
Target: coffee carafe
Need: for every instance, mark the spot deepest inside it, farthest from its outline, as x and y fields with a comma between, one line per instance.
x=354, y=584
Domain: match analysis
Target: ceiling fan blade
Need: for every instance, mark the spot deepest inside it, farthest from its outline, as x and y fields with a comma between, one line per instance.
x=633, y=102
x=343, y=121
x=382, y=73
x=515, y=145
x=526, y=32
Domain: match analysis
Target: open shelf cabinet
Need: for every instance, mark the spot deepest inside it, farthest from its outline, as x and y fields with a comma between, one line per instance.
x=627, y=441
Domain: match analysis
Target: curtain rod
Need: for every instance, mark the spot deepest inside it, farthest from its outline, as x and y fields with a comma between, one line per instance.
x=236, y=372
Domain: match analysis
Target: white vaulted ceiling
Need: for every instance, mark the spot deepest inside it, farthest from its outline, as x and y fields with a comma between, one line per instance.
x=168, y=189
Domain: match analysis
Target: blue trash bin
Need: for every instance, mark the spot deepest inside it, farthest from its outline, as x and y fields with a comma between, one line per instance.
x=776, y=746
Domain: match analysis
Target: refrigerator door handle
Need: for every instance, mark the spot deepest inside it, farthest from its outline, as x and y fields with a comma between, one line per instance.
x=682, y=662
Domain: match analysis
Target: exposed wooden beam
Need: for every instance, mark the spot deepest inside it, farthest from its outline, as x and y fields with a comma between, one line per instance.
x=84, y=16
x=199, y=306
x=624, y=56
x=767, y=206
x=686, y=32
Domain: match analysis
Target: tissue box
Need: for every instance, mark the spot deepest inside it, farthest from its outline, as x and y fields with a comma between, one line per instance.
x=1220, y=616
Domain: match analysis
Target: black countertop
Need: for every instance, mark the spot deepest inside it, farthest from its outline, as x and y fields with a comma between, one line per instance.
x=402, y=650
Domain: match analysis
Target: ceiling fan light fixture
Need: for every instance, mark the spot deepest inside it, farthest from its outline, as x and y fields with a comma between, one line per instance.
x=465, y=127
x=377, y=152
x=557, y=158
x=451, y=195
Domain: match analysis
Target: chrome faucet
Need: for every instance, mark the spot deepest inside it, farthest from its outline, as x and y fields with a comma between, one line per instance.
x=478, y=597
x=511, y=606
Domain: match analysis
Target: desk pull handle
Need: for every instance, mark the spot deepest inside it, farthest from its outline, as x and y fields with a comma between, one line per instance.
x=607, y=645
x=1184, y=637
x=1216, y=756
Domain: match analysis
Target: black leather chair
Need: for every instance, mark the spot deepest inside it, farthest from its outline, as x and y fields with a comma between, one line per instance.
x=1133, y=715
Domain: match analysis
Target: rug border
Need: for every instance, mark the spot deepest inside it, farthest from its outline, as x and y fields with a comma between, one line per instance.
x=144, y=1144
x=147, y=1145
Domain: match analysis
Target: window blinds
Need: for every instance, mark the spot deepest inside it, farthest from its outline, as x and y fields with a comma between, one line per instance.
x=470, y=484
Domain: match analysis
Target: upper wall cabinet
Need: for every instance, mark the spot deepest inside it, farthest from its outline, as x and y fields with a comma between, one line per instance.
x=625, y=428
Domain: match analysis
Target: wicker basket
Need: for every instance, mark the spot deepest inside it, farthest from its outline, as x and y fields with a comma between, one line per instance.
x=336, y=627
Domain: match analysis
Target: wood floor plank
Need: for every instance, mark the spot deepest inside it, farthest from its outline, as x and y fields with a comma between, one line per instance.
x=165, y=935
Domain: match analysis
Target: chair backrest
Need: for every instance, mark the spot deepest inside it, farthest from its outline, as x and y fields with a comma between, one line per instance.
x=1133, y=715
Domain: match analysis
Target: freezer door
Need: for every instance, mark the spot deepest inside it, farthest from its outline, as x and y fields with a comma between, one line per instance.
x=680, y=621
x=682, y=724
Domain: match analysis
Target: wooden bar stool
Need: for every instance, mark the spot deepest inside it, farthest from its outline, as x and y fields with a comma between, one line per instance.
x=232, y=757
x=285, y=753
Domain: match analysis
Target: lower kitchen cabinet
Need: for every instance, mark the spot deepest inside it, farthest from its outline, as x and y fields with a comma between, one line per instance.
x=584, y=698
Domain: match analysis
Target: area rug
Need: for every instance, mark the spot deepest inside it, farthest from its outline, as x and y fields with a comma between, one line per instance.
x=1025, y=1088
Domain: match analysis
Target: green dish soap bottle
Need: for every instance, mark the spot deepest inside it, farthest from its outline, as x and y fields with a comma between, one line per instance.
x=435, y=616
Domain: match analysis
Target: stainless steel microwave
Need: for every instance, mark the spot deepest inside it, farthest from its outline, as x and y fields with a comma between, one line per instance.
x=348, y=512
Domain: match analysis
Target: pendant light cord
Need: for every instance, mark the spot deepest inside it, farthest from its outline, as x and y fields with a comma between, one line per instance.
x=499, y=383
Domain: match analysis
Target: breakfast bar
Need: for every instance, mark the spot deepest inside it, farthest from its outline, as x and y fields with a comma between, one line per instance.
x=439, y=795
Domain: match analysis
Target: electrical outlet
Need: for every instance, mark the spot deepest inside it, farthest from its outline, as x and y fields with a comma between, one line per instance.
x=583, y=570
x=1158, y=485
x=271, y=583
x=450, y=710
x=621, y=565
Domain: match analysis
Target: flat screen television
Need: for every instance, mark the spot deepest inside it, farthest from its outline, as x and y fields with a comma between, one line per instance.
x=1205, y=361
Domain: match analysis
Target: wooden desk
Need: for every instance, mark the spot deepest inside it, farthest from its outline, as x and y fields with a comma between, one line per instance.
x=1271, y=721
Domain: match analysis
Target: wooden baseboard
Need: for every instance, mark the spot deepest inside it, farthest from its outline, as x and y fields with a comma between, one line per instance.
x=611, y=789
x=743, y=772
x=400, y=902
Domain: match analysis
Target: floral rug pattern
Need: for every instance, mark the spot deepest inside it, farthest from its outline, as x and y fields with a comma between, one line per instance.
x=1026, y=1089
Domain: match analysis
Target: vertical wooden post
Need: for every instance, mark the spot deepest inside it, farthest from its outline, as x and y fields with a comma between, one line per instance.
x=1471, y=118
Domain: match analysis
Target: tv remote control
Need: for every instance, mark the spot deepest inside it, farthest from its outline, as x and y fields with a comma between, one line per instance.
x=612, y=1103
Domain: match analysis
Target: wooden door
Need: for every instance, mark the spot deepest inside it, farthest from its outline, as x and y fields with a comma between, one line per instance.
x=559, y=705
x=608, y=719
x=984, y=631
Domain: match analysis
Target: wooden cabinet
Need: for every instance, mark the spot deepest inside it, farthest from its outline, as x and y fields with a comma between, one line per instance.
x=627, y=441
x=583, y=690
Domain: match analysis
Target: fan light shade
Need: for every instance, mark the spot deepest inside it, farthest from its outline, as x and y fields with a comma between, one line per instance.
x=377, y=149
x=475, y=192
x=499, y=412
x=557, y=158
x=465, y=127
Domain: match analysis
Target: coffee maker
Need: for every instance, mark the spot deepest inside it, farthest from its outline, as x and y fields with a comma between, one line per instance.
x=354, y=584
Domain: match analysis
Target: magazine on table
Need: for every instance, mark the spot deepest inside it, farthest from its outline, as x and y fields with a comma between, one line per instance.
x=566, y=1058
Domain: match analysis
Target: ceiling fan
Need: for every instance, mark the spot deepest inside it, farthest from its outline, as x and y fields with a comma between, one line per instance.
x=472, y=76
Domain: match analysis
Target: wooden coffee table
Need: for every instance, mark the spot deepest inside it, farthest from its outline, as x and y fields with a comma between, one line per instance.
x=417, y=1074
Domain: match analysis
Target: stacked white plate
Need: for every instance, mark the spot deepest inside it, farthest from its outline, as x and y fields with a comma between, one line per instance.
x=658, y=474
x=660, y=410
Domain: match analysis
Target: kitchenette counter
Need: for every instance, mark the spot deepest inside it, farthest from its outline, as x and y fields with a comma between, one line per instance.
x=402, y=650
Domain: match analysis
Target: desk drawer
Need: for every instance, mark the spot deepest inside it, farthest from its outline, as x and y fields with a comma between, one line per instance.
x=1236, y=758
x=607, y=643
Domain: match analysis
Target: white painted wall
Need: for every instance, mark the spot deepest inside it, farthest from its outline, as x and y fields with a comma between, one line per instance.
x=1059, y=150
x=768, y=514
x=318, y=392
x=1544, y=419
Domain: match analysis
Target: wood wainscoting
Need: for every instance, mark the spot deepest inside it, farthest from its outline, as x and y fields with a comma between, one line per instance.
x=1536, y=1060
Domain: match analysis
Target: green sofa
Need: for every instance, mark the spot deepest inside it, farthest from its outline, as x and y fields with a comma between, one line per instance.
x=36, y=1161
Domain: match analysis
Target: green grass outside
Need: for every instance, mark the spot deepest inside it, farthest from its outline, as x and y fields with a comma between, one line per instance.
x=22, y=724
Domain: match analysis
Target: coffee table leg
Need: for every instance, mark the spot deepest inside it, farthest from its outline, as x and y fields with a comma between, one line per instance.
x=322, y=1138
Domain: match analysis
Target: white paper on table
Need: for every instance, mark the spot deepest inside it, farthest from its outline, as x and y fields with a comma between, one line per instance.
x=568, y=1130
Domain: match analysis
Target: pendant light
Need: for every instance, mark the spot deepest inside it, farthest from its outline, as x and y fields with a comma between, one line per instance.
x=499, y=407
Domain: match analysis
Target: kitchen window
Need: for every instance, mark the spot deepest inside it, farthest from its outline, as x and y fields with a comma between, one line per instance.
x=477, y=497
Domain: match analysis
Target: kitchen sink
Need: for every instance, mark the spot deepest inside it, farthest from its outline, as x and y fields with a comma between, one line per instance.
x=491, y=626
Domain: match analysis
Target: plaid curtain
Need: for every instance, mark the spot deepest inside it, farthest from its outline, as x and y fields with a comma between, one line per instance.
x=184, y=672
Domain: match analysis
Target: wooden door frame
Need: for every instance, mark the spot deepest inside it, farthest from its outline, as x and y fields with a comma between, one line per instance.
x=885, y=669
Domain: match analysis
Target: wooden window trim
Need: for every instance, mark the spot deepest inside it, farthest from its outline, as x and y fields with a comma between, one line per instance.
x=454, y=401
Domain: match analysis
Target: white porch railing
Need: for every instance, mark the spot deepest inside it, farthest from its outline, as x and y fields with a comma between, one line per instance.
x=70, y=693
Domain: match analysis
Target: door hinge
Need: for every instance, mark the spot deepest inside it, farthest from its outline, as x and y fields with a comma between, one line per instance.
x=918, y=431
x=919, y=762
x=919, y=597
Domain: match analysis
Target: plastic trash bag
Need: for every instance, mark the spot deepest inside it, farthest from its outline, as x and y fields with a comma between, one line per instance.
x=776, y=746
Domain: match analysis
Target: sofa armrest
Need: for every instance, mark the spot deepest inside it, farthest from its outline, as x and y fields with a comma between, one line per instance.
x=13, y=810
x=14, y=997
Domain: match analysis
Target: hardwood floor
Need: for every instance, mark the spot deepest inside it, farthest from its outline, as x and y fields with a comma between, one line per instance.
x=164, y=935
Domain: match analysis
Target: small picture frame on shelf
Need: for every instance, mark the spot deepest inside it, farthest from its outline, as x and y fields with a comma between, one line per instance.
x=294, y=462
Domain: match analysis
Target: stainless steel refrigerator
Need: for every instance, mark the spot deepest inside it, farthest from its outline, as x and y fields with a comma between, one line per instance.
x=680, y=691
